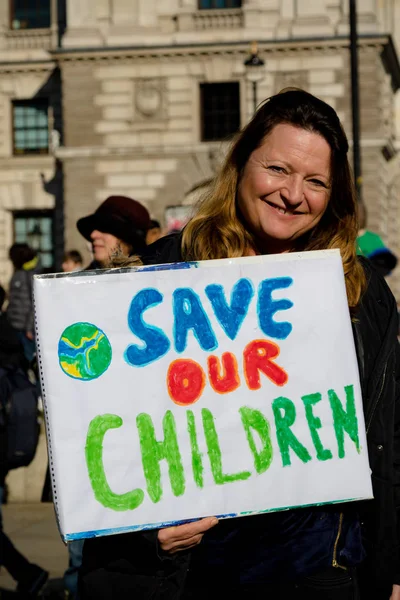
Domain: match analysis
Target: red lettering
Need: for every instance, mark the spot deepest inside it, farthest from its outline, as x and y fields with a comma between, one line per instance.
x=185, y=381
x=257, y=356
x=229, y=380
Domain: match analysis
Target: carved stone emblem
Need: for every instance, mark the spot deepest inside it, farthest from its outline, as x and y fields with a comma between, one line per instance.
x=149, y=98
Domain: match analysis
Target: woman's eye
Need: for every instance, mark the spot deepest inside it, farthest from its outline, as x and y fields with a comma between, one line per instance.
x=318, y=182
x=276, y=169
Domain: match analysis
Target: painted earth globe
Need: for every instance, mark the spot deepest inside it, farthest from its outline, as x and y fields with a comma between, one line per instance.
x=84, y=351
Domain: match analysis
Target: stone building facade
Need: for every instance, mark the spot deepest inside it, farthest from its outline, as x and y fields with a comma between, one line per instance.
x=125, y=85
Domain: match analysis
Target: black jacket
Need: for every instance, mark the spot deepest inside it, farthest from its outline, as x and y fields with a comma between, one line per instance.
x=132, y=565
x=20, y=304
x=11, y=349
x=11, y=357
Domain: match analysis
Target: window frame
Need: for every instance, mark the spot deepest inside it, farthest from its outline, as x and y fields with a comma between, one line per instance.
x=239, y=2
x=203, y=115
x=29, y=103
x=27, y=28
x=37, y=213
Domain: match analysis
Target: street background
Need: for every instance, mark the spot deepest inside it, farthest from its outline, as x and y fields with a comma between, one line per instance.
x=33, y=529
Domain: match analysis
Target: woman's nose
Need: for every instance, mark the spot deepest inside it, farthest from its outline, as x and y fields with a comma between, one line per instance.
x=95, y=234
x=292, y=190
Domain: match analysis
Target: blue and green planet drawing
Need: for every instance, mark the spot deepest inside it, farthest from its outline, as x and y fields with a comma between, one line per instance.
x=84, y=351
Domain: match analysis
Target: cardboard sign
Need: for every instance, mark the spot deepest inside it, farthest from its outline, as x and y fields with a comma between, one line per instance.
x=225, y=387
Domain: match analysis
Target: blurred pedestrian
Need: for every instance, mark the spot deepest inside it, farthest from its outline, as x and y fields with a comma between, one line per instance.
x=118, y=226
x=20, y=305
x=72, y=261
x=30, y=577
x=371, y=245
x=11, y=349
x=154, y=232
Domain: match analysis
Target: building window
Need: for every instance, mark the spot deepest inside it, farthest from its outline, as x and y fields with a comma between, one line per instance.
x=30, y=14
x=220, y=110
x=31, y=126
x=35, y=227
x=210, y=4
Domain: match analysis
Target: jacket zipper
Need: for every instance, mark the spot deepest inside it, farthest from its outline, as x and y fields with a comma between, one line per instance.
x=334, y=558
x=377, y=400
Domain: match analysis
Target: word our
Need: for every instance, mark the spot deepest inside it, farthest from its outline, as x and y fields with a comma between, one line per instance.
x=256, y=427
x=186, y=378
x=190, y=315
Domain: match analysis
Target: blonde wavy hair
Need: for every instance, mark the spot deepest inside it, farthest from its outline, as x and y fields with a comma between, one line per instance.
x=217, y=229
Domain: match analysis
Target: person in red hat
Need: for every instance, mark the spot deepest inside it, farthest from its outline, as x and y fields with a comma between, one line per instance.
x=119, y=224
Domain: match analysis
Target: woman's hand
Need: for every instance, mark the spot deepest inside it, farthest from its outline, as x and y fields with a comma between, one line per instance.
x=183, y=537
x=395, y=592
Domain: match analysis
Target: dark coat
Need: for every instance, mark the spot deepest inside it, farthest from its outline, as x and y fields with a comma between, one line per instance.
x=11, y=349
x=133, y=566
x=378, y=351
x=20, y=301
x=11, y=357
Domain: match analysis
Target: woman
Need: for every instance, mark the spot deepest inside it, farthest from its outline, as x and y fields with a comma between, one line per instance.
x=20, y=306
x=285, y=186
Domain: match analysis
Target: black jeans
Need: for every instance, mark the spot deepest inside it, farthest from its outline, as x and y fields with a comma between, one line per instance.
x=330, y=584
x=16, y=564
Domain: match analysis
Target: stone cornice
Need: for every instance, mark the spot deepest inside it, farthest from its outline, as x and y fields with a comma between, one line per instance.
x=28, y=66
x=107, y=53
x=61, y=57
x=172, y=151
x=34, y=161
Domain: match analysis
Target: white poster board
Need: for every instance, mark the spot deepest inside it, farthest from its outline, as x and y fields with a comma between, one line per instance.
x=217, y=388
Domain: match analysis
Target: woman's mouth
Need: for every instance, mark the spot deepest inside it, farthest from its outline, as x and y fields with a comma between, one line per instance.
x=282, y=210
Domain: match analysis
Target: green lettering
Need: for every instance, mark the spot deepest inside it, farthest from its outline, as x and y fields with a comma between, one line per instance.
x=285, y=436
x=214, y=452
x=314, y=423
x=344, y=419
x=254, y=419
x=98, y=427
x=154, y=451
x=197, y=462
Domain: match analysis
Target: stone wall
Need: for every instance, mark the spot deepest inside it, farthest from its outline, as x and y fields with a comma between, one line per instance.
x=20, y=176
x=20, y=188
x=96, y=23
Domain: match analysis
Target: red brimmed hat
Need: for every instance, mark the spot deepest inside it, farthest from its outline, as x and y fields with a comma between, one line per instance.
x=121, y=216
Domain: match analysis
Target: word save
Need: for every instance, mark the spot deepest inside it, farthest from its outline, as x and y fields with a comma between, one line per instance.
x=186, y=378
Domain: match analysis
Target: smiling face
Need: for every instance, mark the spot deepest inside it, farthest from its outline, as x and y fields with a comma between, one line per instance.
x=285, y=187
x=105, y=244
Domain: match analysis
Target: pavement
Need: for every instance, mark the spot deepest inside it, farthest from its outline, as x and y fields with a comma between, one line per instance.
x=33, y=530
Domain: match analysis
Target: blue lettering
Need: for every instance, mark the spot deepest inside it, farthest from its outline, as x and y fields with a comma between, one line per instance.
x=267, y=307
x=156, y=343
x=189, y=314
x=231, y=317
